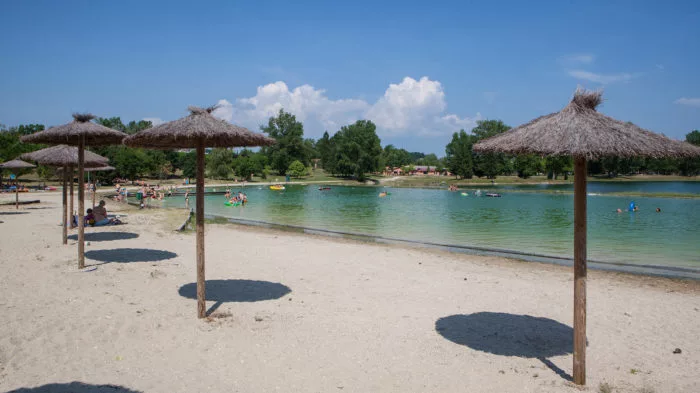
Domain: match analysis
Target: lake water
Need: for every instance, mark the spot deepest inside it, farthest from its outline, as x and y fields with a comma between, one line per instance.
x=531, y=222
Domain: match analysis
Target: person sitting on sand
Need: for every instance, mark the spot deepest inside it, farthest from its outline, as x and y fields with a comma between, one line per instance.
x=100, y=216
x=89, y=218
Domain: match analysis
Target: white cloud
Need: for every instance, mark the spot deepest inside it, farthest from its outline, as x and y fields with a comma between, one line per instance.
x=603, y=79
x=688, y=101
x=305, y=102
x=408, y=104
x=154, y=120
x=579, y=58
x=660, y=66
x=410, y=107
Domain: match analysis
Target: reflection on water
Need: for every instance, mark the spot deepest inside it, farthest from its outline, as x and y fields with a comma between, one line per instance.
x=539, y=223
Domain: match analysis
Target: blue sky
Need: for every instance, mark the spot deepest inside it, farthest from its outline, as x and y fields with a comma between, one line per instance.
x=420, y=70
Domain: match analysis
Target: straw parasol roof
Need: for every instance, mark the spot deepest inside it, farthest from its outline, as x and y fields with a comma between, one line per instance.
x=199, y=130
x=63, y=155
x=579, y=130
x=200, y=125
x=71, y=133
x=16, y=164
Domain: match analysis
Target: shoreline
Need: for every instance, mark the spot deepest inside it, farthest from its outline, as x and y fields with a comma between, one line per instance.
x=671, y=272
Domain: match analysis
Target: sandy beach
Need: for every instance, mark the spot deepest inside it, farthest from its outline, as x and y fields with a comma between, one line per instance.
x=302, y=313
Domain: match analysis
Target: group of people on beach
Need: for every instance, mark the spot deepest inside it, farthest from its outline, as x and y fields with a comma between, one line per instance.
x=12, y=186
x=145, y=192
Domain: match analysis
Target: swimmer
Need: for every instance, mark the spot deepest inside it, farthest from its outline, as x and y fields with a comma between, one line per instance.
x=619, y=210
x=658, y=210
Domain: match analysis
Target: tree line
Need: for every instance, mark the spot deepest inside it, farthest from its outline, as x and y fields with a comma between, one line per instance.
x=353, y=151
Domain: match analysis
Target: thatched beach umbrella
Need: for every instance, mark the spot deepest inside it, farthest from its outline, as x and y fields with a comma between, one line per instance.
x=16, y=164
x=581, y=132
x=198, y=130
x=80, y=132
x=66, y=157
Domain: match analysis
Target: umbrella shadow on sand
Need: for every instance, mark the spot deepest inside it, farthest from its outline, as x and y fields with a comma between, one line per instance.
x=105, y=236
x=12, y=213
x=75, y=387
x=224, y=291
x=510, y=335
x=127, y=255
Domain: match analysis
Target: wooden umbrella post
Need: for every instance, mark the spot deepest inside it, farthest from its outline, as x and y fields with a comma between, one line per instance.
x=580, y=270
x=81, y=204
x=201, y=290
x=72, y=209
x=65, y=205
x=17, y=195
x=93, y=195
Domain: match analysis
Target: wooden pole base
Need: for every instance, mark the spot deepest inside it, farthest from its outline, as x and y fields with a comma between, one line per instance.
x=201, y=290
x=81, y=204
x=580, y=270
x=65, y=205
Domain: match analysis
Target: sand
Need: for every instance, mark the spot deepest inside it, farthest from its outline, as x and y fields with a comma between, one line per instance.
x=300, y=313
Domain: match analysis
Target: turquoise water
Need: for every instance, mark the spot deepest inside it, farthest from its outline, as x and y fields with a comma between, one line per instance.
x=540, y=223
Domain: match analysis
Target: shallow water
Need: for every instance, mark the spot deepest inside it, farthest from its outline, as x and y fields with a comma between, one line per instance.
x=540, y=223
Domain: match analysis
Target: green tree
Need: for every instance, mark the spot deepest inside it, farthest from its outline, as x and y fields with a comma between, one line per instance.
x=157, y=164
x=415, y=156
x=10, y=145
x=325, y=151
x=458, y=155
x=296, y=169
x=188, y=164
x=130, y=163
x=310, y=149
x=429, y=160
x=395, y=158
x=220, y=163
x=259, y=161
x=558, y=165
x=527, y=165
x=290, y=146
x=357, y=149
x=693, y=137
x=690, y=166
x=244, y=166
x=114, y=123
x=489, y=164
